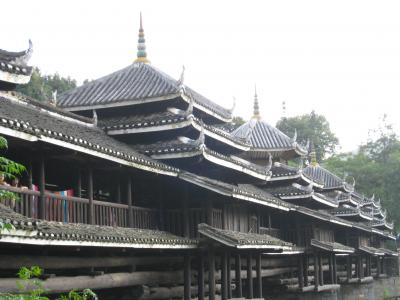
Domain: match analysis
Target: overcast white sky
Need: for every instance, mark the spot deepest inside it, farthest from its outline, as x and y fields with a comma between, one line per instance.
x=340, y=58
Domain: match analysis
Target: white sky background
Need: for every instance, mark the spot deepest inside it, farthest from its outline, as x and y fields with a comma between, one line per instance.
x=340, y=58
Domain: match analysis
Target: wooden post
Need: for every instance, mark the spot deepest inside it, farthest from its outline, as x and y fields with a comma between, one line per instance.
x=306, y=263
x=30, y=175
x=209, y=215
x=249, y=277
x=259, y=277
x=238, y=279
x=129, y=201
x=211, y=274
x=42, y=188
x=300, y=272
x=118, y=196
x=228, y=254
x=79, y=183
x=200, y=277
x=334, y=269
x=349, y=268
x=330, y=260
x=321, y=270
x=378, y=266
x=187, y=278
x=90, y=196
x=224, y=277
x=185, y=213
x=316, y=271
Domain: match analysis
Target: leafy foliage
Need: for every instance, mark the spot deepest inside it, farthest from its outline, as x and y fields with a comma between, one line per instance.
x=311, y=127
x=8, y=167
x=376, y=168
x=31, y=288
x=41, y=86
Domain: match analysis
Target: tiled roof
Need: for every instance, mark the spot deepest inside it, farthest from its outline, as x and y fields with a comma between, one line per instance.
x=134, y=84
x=370, y=250
x=329, y=180
x=184, y=147
x=80, y=233
x=39, y=121
x=290, y=190
x=14, y=64
x=389, y=252
x=331, y=246
x=265, y=137
x=282, y=170
x=243, y=240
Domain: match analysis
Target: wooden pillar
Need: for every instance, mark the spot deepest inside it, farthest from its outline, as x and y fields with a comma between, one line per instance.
x=78, y=183
x=330, y=261
x=200, y=277
x=129, y=201
x=360, y=266
x=334, y=269
x=30, y=175
x=300, y=272
x=306, y=263
x=224, y=277
x=238, y=279
x=211, y=274
x=90, y=196
x=209, y=208
x=249, y=277
x=259, y=277
x=185, y=213
x=316, y=271
x=118, y=191
x=229, y=274
x=187, y=278
x=349, y=268
x=378, y=266
x=42, y=188
x=321, y=270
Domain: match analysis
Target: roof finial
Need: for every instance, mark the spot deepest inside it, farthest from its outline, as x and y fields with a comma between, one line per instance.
x=141, y=53
x=256, y=112
x=313, y=155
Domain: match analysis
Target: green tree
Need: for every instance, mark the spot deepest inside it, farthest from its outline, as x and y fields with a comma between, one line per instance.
x=375, y=167
x=41, y=87
x=311, y=127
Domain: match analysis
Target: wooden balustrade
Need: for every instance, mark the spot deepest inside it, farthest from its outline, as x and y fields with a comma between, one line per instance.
x=69, y=209
x=217, y=218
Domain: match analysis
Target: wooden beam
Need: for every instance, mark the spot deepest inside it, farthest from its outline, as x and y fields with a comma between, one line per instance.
x=187, y=278
x=63, y=284
x=249, y=276
x=238, y=280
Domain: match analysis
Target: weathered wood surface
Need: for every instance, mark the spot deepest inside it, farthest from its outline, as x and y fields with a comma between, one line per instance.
x=69, y=262
x=112, y=280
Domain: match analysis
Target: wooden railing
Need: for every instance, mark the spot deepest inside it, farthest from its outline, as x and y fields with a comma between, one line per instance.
x=69, y=209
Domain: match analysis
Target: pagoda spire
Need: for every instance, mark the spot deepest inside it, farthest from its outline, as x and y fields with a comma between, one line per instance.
x=141, y=53
x=313, y=155
x=256, y=108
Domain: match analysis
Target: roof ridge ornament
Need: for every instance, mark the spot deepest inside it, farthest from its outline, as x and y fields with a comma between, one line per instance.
x=201, y=139
x=182, y=79
x=268, y=168
x=233, y=105
x=53, y=100
x=141, y=53
x=23, y=60
x=95, y=118
x=294, y=138
x=256, y=107
x=313, y=155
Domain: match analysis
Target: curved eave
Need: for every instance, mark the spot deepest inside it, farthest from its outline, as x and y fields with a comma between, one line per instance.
x=310, y=181
x=135, y=162
x=205, y=109
x=215, y=159
x=324, y=200
x=14, y=78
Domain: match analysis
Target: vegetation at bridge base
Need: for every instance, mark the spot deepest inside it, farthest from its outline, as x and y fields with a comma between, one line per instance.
x=31, y=288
